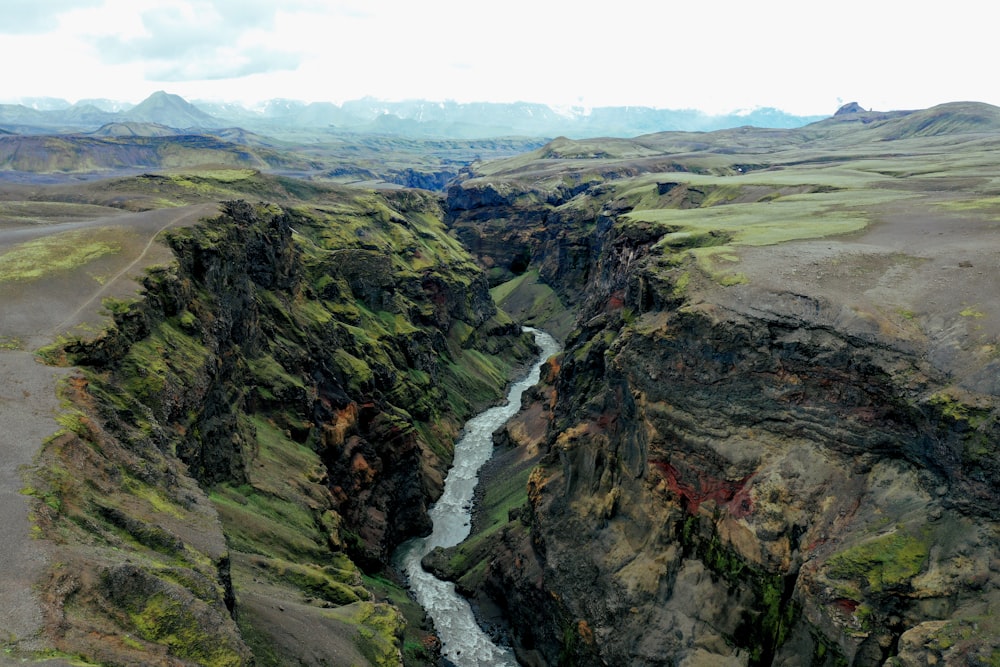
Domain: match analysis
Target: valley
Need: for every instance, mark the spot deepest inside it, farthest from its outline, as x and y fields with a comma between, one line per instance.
x=770, y=438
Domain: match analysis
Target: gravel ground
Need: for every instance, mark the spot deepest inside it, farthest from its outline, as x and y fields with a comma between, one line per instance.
x=33, y=314
x=28, y=405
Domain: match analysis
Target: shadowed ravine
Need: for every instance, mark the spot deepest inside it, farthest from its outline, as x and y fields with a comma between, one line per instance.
x=463, y=640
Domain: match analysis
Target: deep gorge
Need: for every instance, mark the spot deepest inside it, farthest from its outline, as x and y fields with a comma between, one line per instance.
x=728, y=464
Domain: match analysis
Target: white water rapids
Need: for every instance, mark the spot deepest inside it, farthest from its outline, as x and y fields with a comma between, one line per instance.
x=463, y=641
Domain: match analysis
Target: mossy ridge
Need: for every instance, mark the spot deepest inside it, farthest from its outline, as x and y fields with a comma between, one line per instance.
x=167, y=621
x=155, y=374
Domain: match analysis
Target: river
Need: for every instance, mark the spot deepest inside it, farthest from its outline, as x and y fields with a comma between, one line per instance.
x=463, y=641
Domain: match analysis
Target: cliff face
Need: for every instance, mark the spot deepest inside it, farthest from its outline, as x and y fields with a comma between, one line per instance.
x=267, y=422
x=793, y=464
x=756, y=491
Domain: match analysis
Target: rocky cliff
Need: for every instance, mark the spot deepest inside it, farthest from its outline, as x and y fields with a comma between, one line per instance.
x=771, y=439
x=250, y=440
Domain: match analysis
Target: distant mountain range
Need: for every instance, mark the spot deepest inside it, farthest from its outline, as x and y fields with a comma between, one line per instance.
x=414, y=118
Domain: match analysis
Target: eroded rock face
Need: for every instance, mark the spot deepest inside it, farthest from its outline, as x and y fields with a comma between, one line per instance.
x=749, y=475
x=742, y=493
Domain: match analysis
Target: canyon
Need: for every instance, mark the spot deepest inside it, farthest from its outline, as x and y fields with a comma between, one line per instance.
x=770, y=438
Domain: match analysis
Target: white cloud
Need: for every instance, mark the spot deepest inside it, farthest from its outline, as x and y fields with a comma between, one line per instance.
x=33, y=16
x=717, y=55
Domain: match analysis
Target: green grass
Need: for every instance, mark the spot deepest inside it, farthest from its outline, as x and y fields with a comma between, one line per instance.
x=61, y=252
x=337, y=585
x=273, y=515
x=530, y=301
x=502, y=496
x=11, y=343
x=972, y=311
x=987, y=204
x=794, y=217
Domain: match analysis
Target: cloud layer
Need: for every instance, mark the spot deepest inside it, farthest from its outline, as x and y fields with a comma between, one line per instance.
x=714, y=55
x=35, y=16
x=203, y=40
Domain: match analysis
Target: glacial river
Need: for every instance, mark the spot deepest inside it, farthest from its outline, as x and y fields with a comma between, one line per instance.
x=464, y=642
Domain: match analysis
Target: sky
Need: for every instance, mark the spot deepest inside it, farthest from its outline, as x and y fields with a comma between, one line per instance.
x=718, y=56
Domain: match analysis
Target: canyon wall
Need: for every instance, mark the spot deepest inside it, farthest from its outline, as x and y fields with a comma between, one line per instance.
x=732, y=472
x=259, y=430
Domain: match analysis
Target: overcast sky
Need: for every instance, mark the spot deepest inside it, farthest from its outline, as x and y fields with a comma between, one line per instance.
x=716, y=55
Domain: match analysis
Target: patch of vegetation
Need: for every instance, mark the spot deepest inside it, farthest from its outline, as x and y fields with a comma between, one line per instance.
x=882, y=563
x=35, y=212
x=417, y=635
x=60, y=252
x=170, y=622
x=986, y=204
x=337, y=585
x=972, y=311
x=169, y=356
x=379, y=629
x=11, y=343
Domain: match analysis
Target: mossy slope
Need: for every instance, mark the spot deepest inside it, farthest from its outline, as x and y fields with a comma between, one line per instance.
x=292, y=384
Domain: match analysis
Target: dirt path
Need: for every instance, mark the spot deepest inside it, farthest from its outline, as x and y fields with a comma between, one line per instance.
x=33, y=314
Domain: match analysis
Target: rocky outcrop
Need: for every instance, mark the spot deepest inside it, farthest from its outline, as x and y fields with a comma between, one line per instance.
x=274, y=414
x=849, y=108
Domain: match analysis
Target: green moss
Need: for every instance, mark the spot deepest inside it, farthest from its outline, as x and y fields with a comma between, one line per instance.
x=187, y=320
x=61, y=252
x=529, y=300
x=270, y=376
x=113, y=306
x=949, y=404
x=166, y=621
x=882, y=563
x=681, y=284
x=379, y=632
x=471, y=381
x=11, y=343
x=356, y=372
x=332, y=584
x=169, y=356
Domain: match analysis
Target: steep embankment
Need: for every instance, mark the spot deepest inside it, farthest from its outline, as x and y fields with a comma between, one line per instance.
x=256, y=433
x=771, y=439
